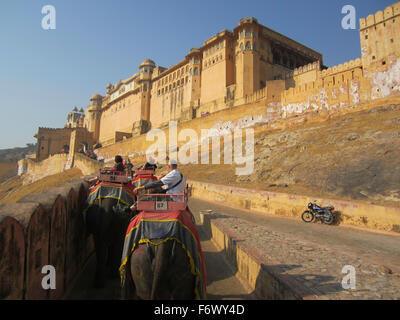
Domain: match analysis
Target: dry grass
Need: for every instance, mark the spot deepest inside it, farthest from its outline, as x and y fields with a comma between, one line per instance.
x=13, y=190
x=7, y=170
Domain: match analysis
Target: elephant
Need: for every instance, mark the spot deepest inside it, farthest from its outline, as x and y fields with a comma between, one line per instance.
x=108, y=227
x=162, y=258
x=159, y=272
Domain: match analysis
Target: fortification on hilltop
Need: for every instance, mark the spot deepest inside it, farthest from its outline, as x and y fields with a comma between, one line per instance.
x=250, y=64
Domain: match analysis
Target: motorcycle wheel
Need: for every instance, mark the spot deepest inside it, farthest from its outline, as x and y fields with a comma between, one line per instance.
x=307, y=216
x=328, y=219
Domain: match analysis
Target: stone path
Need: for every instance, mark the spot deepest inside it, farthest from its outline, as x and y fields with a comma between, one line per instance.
x=313, y=261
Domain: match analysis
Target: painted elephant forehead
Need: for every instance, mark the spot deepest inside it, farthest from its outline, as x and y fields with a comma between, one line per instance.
x=114, y=191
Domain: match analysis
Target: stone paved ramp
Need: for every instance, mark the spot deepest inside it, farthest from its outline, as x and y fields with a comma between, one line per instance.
x=313, y=268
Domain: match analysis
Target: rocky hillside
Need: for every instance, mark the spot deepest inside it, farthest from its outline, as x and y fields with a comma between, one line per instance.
x=7, y=170
x=354, y=156
x=15, y=154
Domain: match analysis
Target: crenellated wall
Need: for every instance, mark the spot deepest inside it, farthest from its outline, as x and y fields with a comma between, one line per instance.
x=43, y=229
x=333, y=90
x=33, y=170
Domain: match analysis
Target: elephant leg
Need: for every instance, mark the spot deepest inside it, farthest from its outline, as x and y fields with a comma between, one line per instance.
x=181, y=280
x=114, y=257
x=141, y=271
x=160, y=289
x=101, y=253
x=128, y=290
x=172, y=273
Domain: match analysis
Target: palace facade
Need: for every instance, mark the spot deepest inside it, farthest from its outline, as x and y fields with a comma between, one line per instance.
x=234, y=68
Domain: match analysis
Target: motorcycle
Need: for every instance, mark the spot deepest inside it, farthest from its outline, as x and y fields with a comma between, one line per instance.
x=324, y=214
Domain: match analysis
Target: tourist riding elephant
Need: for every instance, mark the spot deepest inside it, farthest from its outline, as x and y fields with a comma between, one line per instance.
x=108, y=223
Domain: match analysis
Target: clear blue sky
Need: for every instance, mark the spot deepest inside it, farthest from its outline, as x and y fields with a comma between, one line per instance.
x=44, y=74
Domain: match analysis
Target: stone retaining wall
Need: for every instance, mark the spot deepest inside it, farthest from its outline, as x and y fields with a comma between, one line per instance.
x=290, y=205
x=43, y=229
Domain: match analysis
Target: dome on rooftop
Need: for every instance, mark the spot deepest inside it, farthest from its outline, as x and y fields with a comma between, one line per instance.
x=148, y=62
x=96, y=97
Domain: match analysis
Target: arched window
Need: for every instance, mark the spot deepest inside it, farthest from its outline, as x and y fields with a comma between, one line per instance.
x=196, y=71
x=275, y=57
x=248, y=47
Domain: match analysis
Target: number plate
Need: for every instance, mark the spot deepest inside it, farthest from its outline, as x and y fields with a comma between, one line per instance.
x=161, y=205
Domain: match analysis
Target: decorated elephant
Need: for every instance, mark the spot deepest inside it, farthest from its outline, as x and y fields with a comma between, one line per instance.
x=107, y=218
x=162, y=258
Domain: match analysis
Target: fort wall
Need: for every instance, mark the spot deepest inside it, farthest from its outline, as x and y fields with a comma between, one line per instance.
x=43, y=229
x=251, y=66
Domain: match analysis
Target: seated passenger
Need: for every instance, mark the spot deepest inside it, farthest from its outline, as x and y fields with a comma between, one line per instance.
x=150, y=165
x=174, y=181
x=118, y=166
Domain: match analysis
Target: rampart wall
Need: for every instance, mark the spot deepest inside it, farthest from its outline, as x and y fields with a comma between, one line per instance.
x=39, y=230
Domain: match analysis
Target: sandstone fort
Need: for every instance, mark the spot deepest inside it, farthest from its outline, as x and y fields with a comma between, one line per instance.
x=323, y=138
x=251, y=65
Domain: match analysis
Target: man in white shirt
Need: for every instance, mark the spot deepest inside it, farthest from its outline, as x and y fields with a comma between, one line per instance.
x=174, y=181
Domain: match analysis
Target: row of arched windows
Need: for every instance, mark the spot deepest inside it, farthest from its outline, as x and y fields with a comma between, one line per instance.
x=247, y=46
x=248, y=33
x=172, y=76
x=216, y=47
x=288, y=60
x=213, y=60
x=172, y=86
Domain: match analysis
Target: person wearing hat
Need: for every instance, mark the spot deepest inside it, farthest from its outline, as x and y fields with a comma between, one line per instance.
x=150, y=165
x=174, y=180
